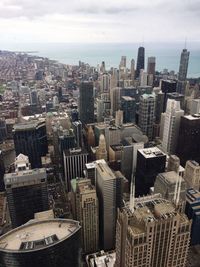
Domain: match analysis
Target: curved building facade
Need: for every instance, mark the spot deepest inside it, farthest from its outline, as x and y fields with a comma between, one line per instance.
x=47, y=243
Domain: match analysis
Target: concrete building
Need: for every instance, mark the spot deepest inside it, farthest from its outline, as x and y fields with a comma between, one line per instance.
x=169, y=184
x=45, y=243
x=147, y=114
x=101, y=259
x=195, y=106
x=74, y=164
x=102, y=151
x=109, y=192
x=115, y=97
x=86, y=211
x=192, y=174
x=172, y=118
x=151, y=65
x=105, y=82
x=153, y=234
x=183, y=67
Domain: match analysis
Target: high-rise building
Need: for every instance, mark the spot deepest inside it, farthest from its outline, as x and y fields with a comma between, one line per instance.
x=34, y=97
x=192, y=210
x=30, y=139
x=105, y=82
x=147, y=114
x=188, y=141
x=74, y=164
x=192, y=174
x=90, y=137
x=167, y=86
x=150, y=162
x=195, y=106
x=151, y=65
x=171, y=126
x=77, y=127
x=102, y=151
x=128, y=106
x=26, y=192
x=86, y=211
x=115, y=97
x=169, y=184
x=132, y=69
x=123, y=62
x=143, y=78
x=46, y=243
x=178, y=97
x=183, y=67
x=110, y=198
x=152, y=233
x=2, y=172
x=140, y=61
x=86, y=102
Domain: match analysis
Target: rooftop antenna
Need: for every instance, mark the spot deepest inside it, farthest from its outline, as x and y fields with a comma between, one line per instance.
x=185, y=42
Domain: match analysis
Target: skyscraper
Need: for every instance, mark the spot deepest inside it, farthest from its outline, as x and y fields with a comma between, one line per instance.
x=105, y=82
x=74, y=164
x=26, y=192
x=30, y=139
x=167, y=86
x=109, y=196
x=132, y=69
x=192, y=174
x=183, y=67
x=150, y=162
x=192, y=210
x=115, y=96
x=87, y=213
x=188, y=141
x=140, y=61
x=147, y=114
x=77, y=127
x=45, y=243
x=128, y=106
x=86, y=102
x=153, y=234
x=102, y=151
x=151, y=65
x=172, y=119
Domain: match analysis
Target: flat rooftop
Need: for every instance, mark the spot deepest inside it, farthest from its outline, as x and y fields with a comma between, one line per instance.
x=193, y=117
x=170, y=177
x=151, y=152
x=38, y=235
x=25, y=176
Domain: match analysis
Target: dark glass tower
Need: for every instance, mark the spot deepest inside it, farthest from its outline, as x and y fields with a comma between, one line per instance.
x=183, y=67
x=188, y=146
x=26, y=194
x=31, y=140
x=86, y=103
x=140, y=61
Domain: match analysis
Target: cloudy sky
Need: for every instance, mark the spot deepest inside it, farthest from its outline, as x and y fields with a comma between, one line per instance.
x=99, y=20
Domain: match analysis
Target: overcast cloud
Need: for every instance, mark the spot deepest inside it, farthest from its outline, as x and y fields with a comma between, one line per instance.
x=99, y=21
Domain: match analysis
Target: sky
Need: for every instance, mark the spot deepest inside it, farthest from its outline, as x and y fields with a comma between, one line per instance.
x=92, y=21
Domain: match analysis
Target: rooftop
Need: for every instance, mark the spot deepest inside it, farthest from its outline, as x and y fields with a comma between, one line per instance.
x=170, y=177
x=193, y=117
x=151, y=152
x=37, y=235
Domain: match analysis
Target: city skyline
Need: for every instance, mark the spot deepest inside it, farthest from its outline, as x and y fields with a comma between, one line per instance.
x=86, y=20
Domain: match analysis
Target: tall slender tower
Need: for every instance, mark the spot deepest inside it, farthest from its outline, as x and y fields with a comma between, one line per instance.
x=86, y=211
x=183, y=67
x=172, y=119
x=86, y=103
x=132, y=69
x=140, y=61
x=146, y=114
